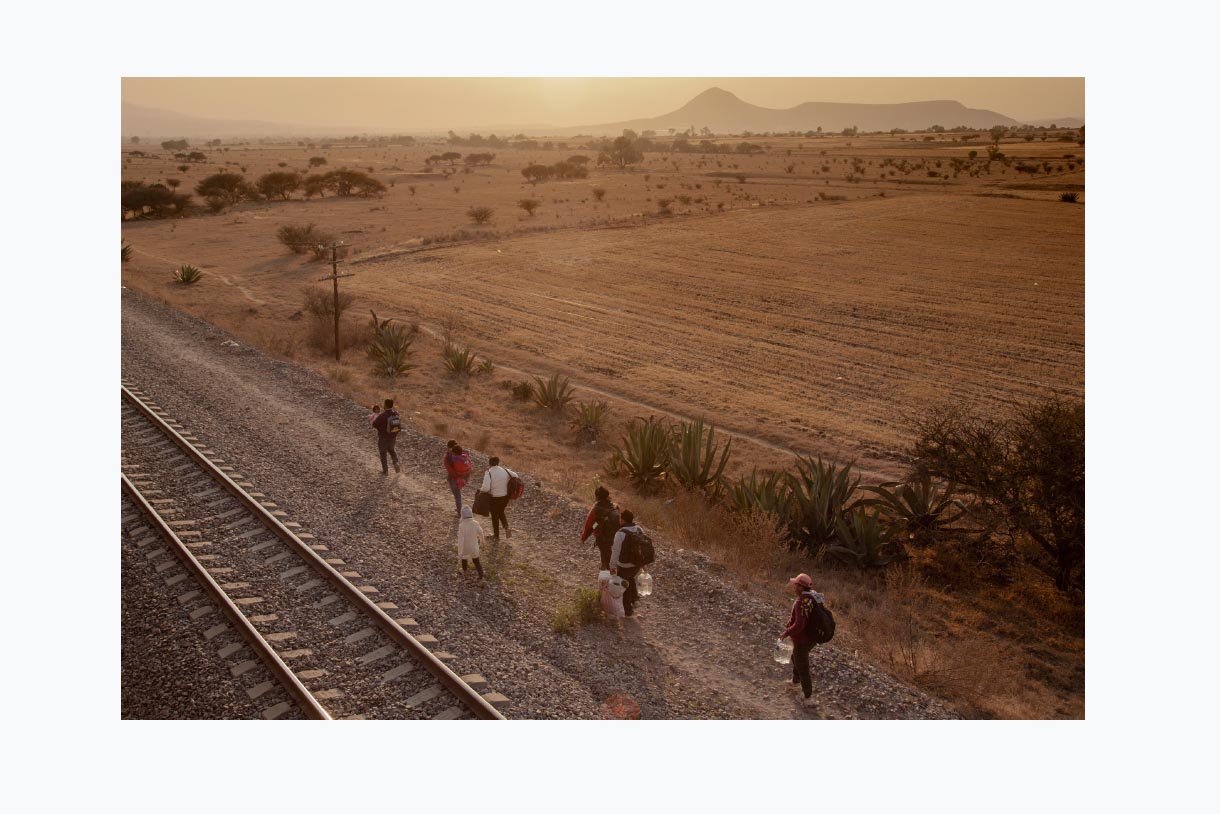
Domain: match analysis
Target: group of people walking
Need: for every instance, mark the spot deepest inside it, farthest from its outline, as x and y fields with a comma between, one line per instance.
x=609, y=527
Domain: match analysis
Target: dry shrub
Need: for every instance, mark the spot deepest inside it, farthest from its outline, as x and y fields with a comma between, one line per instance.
x=748, y=543
x=908, y=629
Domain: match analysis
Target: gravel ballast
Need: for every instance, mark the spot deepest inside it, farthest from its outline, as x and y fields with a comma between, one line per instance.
x=699, y=647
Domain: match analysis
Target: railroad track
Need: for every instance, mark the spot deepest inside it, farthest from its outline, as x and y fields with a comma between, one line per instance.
x=302, y=630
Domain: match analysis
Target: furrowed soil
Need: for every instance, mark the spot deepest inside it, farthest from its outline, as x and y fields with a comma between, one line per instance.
x=811, y=311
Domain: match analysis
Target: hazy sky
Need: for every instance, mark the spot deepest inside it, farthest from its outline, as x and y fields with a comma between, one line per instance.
x=462, y=102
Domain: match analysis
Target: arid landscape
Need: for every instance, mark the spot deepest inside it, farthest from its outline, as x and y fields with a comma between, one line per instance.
x=809, y=294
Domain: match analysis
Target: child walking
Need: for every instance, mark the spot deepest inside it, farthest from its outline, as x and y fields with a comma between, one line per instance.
x=470, y=536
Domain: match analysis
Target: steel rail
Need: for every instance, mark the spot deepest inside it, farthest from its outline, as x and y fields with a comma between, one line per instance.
x=466, y=694
x=261, y=647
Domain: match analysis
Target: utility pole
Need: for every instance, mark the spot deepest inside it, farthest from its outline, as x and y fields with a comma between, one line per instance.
x=334, y=278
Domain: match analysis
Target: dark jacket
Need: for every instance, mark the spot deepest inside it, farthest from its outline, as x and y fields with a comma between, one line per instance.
x=602, y=522
x=798, y=620
x=381, y=423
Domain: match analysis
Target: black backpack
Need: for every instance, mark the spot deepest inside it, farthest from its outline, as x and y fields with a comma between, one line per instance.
x=821, y=623
x=607, y=521
x=637, y=548
x=393, y=423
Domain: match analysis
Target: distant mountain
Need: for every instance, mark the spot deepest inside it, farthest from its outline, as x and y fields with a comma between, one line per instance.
x=151, y=122
x=1058, y=121
x=722, y=112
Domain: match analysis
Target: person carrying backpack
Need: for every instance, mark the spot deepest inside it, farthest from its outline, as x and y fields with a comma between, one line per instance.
x=602, y=523
x=388, y=424
x=805, y=628
x=457, y=468
x=495, y=483
x=626, y=558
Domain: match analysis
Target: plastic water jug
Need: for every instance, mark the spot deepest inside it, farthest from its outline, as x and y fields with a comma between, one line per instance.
x=783, y=651
x=603, y=576
x=643, y=584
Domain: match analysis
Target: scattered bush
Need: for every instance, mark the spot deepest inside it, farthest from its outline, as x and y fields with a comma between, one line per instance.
x=458, y=360
x=390, y=350
x=1069, y=197
x=589, y=419
x=693, y=457
x=821, y=492
x=127, y=250
x=553, y=394
x=523, y=391
x=598, y=193
x=585, y=608
x=920, y=508
x=278, y=184
x=226, y=186
x=529, y=205
x=320, y=304
x=486, y=368
x=301, y=239
x=1026, y=470
x=187, y=274
x=317, y=161
x=643, y=454
x=156, y=201
x=479, y=214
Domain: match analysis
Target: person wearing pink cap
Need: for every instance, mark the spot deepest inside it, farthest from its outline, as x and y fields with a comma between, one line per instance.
x=802, y=641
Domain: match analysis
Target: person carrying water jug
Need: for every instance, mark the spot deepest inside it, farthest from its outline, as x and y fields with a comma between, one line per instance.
x=800, y=631
x=623, y=567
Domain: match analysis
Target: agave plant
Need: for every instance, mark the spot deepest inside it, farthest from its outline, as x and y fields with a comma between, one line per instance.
x=390, y=349
x=693, y=458
x=126, y=252
x=187, y=274
x=920, y=508
x=458, y=360
x=767, y=495
x=589, y=418
x=864, y=538
x=643, y=455
x=820, y=496
x=554, y=394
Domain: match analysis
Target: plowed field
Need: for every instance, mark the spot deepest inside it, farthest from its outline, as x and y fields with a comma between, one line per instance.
x=814, y=328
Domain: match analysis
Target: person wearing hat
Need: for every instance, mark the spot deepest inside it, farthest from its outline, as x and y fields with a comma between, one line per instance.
x=801, y=586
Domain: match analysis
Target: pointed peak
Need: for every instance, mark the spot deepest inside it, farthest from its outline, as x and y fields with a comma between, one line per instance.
x=716, y=93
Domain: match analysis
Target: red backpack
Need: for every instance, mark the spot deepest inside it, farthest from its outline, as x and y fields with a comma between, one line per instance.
x=516, y=487
x=461, y=465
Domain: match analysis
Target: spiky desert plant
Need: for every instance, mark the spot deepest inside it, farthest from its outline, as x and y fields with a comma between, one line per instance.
x=771, y=494
x=127, y=250
x=920, y=508
x=693, y=459
x=187, y=275
x=821, y=492
x=458, y=360
x=554, y=394
x=643, y=455
x=1069, y=197
x=589, y=419
x=390, y=350
x=864, y=539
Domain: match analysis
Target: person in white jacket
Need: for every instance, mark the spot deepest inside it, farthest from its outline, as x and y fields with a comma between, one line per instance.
x=470, y=535
x=626, y=570
x=495, y=483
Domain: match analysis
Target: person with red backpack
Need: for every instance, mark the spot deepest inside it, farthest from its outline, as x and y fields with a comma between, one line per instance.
x=501, y=484
x=388, y=424
x=806, y=626
x=457, y=467
x=601, y=523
